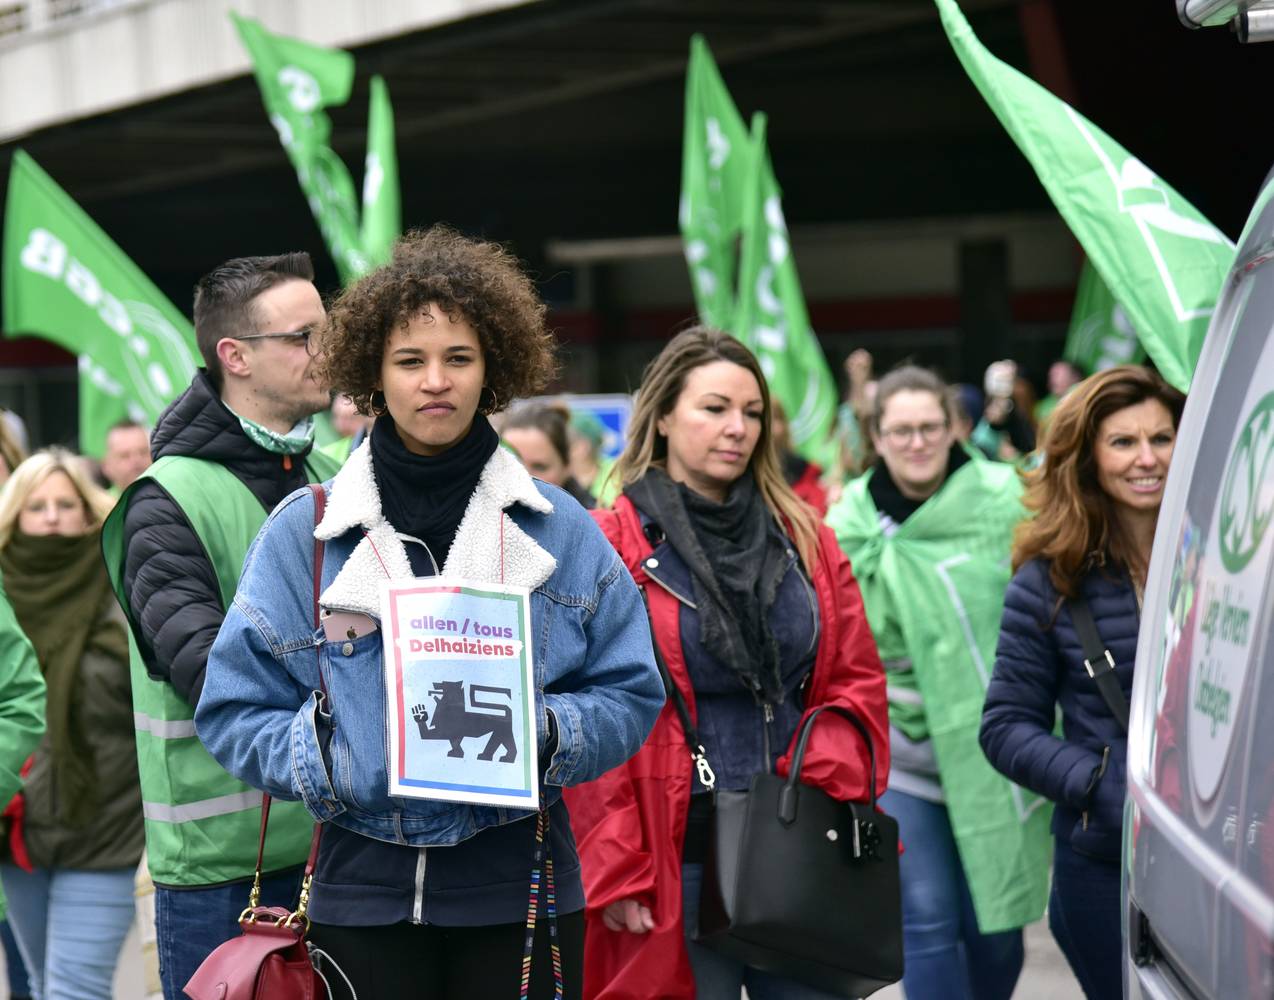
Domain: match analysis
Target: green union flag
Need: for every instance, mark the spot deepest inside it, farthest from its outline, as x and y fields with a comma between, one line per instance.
x=715, y=170
x=297, y=82
x=66, y=281
x=1101, y=334
x=770, y=316
x=382, y=210
x=1162, y=260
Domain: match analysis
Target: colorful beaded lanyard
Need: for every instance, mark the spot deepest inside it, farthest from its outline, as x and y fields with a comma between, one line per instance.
x=543, y=863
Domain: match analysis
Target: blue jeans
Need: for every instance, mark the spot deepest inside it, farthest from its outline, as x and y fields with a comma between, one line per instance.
x=718, y=977
x=191, y=923
x=1084, y=916
x=945, y=955
x=19, y=985
x=69, y=925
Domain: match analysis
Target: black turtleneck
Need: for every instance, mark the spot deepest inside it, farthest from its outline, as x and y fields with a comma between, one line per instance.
x=425, y=496
x=888, y=497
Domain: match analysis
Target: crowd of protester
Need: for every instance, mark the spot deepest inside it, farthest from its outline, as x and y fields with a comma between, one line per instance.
x=164, y=609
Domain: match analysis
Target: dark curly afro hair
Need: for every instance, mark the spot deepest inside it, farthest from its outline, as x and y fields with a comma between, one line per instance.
x=466, y=278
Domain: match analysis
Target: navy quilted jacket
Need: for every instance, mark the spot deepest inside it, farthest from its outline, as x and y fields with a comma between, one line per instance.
x=1039, y=664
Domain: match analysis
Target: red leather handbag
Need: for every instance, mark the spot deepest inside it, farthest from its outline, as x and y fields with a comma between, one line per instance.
x=270, y=959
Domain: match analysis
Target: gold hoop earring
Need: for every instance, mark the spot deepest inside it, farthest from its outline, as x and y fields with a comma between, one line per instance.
x=494, y=405
x=378, y=409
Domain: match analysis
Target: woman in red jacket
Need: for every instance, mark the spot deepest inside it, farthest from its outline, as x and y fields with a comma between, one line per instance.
x=759, y=620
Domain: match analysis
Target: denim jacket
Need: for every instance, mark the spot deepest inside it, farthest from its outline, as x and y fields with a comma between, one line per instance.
x=264, y=719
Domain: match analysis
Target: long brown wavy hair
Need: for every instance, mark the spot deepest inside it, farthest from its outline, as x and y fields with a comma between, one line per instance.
x=1075, y=523
x=661, y=386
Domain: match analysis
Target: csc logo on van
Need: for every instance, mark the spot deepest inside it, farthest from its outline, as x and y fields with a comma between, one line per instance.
x=1247, y=496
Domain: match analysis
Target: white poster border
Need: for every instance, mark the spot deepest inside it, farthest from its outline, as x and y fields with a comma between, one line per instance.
x=395, y=708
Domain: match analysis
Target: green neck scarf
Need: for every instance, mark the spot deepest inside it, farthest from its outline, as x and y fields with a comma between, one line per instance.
x=934, y=591
x=295, y=442
x=58, y=587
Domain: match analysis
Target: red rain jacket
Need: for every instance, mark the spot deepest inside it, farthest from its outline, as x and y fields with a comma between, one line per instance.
x=631, y=821
x=809, y=487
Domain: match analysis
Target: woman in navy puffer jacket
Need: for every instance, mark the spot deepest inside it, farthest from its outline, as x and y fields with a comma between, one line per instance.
x=1095, y=500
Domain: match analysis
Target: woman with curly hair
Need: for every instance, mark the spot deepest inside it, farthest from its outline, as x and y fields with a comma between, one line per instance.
x=1080, y=566
x=414, y=897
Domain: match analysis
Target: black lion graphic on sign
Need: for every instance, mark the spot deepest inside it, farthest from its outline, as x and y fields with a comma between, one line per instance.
x=453, y=721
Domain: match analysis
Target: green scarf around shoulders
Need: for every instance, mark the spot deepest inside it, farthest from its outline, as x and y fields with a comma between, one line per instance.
x=936, y=587
x=57, y=585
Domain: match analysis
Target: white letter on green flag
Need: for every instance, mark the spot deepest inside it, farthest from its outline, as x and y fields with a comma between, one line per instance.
x=770, y=316
x=66, y=281
x=715, y=166
x=1100, y=334
x=1162, y=260
x=297, y=82
x=382, y=211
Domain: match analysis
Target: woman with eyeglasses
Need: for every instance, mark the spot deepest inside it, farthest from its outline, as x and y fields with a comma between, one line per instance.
x=928, y=531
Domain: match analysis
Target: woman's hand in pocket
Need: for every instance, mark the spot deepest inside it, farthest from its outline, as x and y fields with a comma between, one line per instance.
x=628, y=915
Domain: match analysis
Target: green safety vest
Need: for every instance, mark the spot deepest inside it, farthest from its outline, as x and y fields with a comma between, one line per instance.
x=201, y=823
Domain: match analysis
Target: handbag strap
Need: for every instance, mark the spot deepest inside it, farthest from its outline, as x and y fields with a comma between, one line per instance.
x=707, y=777
x=254, y=897
x=1098, y=661
x=787, y=801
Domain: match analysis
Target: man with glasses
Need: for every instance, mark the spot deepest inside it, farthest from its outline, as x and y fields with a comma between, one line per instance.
x=226, y=451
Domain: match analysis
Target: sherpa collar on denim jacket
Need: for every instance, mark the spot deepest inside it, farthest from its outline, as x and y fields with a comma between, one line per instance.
x=488, y=545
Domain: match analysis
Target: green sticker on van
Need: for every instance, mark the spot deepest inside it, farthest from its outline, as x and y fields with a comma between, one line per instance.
x=1247, y=503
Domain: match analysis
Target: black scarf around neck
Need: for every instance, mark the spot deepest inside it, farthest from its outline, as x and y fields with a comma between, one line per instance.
x=737, y=556
x=888, y=498
x=425, y=496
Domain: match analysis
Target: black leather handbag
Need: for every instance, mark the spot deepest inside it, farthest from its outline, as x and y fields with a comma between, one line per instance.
x=795, y=882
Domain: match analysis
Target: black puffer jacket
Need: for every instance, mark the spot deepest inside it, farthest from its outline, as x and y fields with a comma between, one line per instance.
x=1039, y=664
x=172, y=589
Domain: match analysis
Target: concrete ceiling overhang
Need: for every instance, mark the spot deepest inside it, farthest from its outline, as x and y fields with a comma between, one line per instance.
x=561, y=120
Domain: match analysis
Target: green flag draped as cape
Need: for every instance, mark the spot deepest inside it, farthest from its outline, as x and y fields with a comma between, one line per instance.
x=937, y=583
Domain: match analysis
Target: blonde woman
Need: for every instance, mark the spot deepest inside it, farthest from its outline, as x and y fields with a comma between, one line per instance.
x=759, y=621
x=75, y=832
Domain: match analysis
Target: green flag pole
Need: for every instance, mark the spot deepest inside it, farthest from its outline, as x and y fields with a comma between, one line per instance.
x=1162, y=260
x=66, y=281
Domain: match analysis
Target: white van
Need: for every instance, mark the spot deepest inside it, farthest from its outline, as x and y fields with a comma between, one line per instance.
x=1199, y=824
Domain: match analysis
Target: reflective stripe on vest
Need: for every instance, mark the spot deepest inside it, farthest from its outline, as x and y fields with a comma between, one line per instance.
x=201, y=823
x=221, y=806
x=165, y=729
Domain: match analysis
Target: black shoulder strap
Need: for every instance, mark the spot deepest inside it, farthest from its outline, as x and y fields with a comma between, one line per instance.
x=1098, y=661
x=706, y=776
